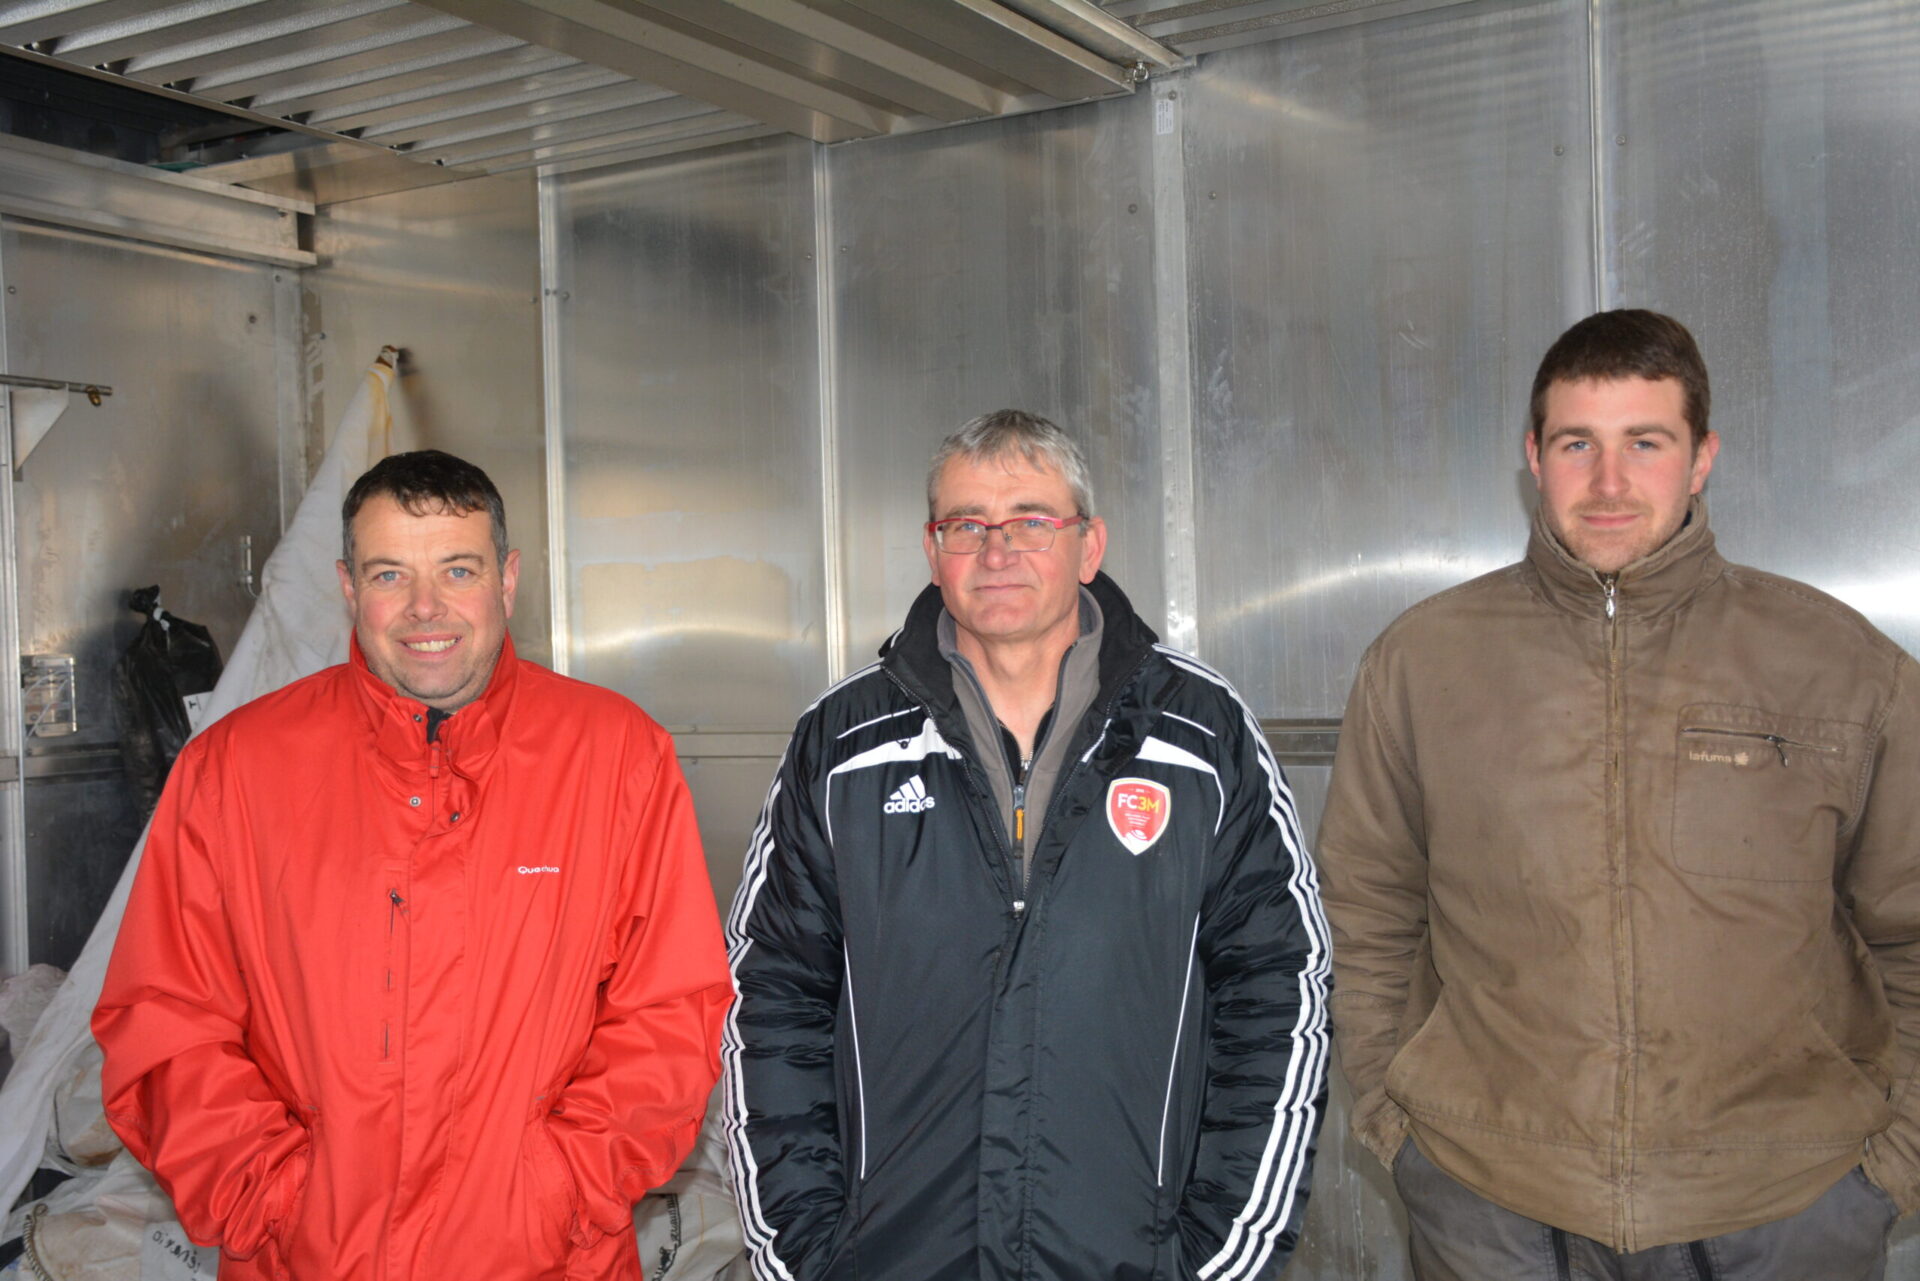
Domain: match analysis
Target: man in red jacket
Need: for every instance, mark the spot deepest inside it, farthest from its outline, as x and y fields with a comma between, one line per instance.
x=421, y=975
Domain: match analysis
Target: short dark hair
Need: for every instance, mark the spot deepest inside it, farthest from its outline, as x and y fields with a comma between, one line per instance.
x=427, y=482
x=1628, y=343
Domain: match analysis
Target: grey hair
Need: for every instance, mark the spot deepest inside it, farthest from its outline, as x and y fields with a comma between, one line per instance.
x=1006, y=432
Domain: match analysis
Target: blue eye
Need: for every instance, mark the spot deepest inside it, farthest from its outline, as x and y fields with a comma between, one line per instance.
x=967, y=527
x=460, y=571
x=387, y=576
x=1032, y=524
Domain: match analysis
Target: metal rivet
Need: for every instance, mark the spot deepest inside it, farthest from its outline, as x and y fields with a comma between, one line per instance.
x=455, y=819
x=1172, y=94
x=1133, y=208
x=417, y=717
x=414, y=801
x=1213, y=195
x=1620, y=140
x=1559, y=149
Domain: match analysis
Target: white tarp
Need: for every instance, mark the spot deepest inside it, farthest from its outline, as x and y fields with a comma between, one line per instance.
x=298, y=626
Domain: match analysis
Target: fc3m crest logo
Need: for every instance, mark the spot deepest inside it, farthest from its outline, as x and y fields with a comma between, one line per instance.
x=1137, y=811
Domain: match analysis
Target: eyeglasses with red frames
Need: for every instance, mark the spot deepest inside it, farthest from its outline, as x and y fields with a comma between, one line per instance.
x=965, y=536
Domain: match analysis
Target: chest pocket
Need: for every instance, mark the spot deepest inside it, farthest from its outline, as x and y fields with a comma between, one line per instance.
x=1761, y=796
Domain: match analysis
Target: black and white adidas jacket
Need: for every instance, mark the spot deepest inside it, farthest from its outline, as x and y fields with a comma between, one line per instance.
x=1115, y=1071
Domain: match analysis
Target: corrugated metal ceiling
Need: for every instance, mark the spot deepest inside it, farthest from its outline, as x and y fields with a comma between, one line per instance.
x=364, y=96
x=347, y=98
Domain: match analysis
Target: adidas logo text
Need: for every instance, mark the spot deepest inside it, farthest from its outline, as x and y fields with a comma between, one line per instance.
x=909, y=798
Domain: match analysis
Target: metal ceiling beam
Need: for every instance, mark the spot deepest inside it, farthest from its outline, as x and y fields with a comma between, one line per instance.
x=45, y=19
x=209, y=24
x=992, y=35
x=502, y=56
x=700, y=124
x=334, y=172
x=724, y=137
x=1099, y=31
x=552, y=109
x=596, y=31
x=538, y=134
x=366, y=45
x=74, y=189
x=425, y=107
x=828, y=47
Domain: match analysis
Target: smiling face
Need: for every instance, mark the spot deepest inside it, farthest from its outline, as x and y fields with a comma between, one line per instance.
x=1616, y=466
x=430, y=600
x=1002, y=597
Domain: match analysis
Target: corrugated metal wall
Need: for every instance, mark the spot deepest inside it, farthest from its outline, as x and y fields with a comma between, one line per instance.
x=1372, y=232
x=158, y=484
x=1293, y=297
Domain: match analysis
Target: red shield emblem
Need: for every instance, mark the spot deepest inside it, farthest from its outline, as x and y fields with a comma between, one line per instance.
x=1137, y=811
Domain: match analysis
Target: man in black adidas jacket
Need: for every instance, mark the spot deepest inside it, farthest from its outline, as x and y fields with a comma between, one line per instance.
x=1031, y=967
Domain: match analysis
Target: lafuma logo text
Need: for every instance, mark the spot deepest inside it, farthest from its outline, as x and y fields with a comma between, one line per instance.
x=909, y=798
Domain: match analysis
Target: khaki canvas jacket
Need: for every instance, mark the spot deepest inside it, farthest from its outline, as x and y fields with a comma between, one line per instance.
x=1624, y=882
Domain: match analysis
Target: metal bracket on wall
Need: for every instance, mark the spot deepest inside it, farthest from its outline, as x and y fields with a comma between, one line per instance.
x=34, y=405
x=1305, y=740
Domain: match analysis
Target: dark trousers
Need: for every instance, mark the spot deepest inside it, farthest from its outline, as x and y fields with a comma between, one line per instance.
x=1457, y=1235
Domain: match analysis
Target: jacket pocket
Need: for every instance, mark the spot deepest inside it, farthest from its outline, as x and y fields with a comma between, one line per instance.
x=1431, y=1059
x=1858, y=1087
x=1760, y=796
x=548, y=1193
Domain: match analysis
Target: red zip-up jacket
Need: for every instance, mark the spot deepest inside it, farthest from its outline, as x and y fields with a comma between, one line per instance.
x=386, y=1009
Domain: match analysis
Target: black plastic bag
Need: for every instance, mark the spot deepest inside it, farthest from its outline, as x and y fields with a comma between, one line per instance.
x=169, y=662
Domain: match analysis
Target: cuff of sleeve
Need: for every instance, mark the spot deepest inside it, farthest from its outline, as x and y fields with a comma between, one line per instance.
x=1383, y=1131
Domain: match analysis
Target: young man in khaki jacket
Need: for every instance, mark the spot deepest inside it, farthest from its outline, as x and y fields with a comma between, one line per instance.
x=1622, y=859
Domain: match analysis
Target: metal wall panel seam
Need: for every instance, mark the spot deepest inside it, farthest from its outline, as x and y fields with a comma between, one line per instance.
x=1174, y=339
x=14, y=949
x=290, y=394
x=827, y=354
x=1596, y=148
x=553, y=299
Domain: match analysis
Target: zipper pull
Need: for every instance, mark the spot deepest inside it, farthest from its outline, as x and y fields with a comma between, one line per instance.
x=394, y=904
x=1612, y=588
x=1780, y=746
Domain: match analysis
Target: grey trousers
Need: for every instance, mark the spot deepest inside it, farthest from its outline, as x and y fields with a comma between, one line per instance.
x=1457, y=1235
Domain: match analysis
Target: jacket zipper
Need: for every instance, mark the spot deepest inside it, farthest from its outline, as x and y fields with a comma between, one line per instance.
x=395, y=905
x=1622, y=925
x=1562, y=1256
x=1778, y=743
x=1702, y=1265
x=1020, y=824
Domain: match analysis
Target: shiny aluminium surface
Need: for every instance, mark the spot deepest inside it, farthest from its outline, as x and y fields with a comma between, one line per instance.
x=1386, y=219
x=1008, y=264
x=688, y=395
x=451, y=275
x=1764, y=185
x=156, y=485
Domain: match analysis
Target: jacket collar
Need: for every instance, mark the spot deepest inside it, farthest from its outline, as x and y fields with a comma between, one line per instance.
x=913, y=654
x=1660, y=581
x=468, y=739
